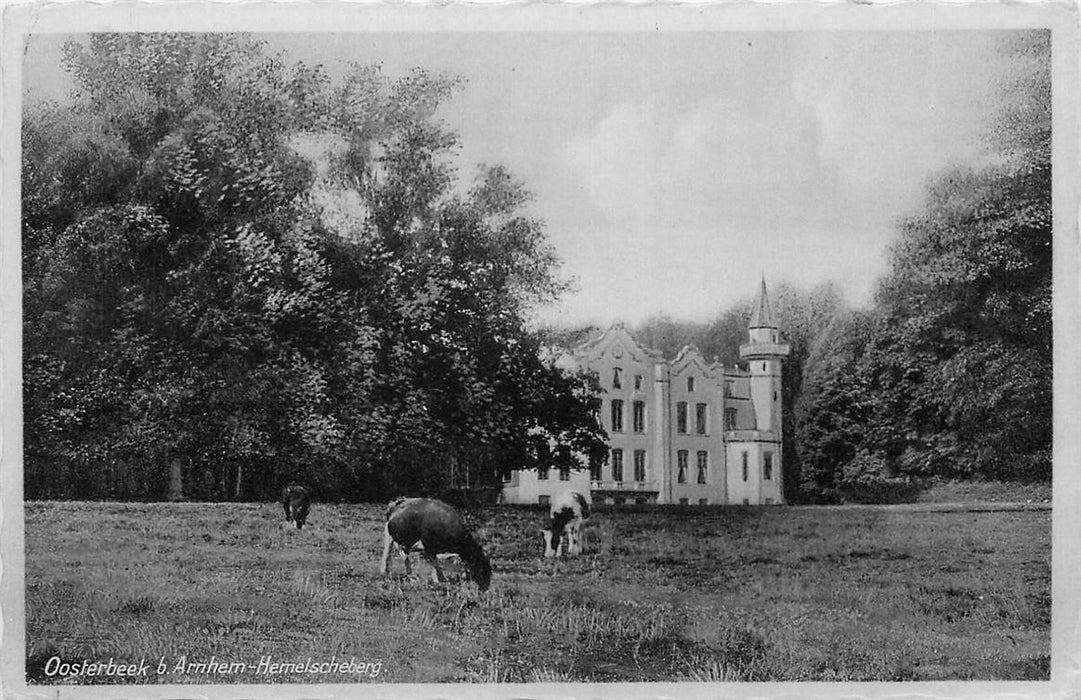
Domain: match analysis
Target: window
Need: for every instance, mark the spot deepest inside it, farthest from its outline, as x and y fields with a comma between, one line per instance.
x=690, y=383
x=542, y=473
x=617, y=378
x=595, y=469
x=638, y=416
x=683, y=501
x=728, y=388
x=637, y=382
x=617, y=415
x=544, y=500
x=617, y=465
x=506, y=477
x=681, y=417
x=564, y=473
x=746, y=501
x=700, y=418
x=703, y=501
x=639, y=465
x=767, y=466
x=729, y=419
x=703, y=463
x=681, y=460
x=744, y=465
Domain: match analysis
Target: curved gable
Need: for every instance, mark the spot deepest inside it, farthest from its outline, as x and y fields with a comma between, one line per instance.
x=690, y=360
x=616, y=344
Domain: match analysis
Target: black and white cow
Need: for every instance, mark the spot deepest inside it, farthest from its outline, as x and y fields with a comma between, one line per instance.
x=297, y=502
x=569, y=509
x=438, y=529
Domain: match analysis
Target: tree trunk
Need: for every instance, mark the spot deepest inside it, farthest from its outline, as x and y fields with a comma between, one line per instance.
x=239, y=474
x=176, y=479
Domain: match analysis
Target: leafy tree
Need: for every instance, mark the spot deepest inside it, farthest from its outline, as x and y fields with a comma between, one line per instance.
x=271, y=274
x=964, y=366
x=835, y=409
x=803, y=317
x=665, y=335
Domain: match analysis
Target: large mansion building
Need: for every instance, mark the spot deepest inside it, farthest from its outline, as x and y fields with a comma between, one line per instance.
x=681, y=431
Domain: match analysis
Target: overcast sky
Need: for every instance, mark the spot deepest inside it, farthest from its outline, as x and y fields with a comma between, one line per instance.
x=673, y=169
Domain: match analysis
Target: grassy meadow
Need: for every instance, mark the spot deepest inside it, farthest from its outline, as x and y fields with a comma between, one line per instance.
x=732, y=594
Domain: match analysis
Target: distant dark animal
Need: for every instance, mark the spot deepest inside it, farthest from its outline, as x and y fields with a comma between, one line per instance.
x=569, y=509
x=438, y=529
x=297, y=502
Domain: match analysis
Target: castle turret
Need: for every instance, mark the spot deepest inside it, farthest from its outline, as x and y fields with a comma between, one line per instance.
x=756, y=476
x=764, y=355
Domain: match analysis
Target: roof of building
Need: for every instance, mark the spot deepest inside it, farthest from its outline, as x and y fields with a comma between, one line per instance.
x=617, y=333
x=761, y=314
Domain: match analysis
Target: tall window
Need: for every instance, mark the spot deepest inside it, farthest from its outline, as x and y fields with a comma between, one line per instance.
x=767, y=466
x=681, y=462
x=690, y=383
x=681, y=417
x=638, y=419
x=639, y=465
x=594, y=469
x=617, y=465
x=617, y=378
x=564, y=473
x=744, y=465
x=729, y=419
x=617, y=415
x=637, y=382
x=728, y=388
x=700, y=418
x=542, y=473
x=703, y=465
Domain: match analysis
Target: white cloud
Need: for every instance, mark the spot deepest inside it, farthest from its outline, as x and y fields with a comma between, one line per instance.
x=725, y=161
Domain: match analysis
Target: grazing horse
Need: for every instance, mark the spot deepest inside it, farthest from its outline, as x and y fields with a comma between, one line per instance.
x=296, y=501
x=438, y=529
x=569, y=509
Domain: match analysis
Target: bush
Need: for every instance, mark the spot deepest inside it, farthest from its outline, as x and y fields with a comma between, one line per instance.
x=866, y=479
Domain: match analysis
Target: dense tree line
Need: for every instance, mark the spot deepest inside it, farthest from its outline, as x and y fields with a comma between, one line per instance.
x=238, y=271
x=949, y=374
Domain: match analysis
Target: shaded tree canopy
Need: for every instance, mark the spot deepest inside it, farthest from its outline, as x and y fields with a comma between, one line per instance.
x=235, y=262
x=950, y=375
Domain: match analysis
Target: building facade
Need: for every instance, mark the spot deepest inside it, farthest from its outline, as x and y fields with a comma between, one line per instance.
x=681, y=431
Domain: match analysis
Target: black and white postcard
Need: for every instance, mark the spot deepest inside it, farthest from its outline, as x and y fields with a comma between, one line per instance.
x=540, y=350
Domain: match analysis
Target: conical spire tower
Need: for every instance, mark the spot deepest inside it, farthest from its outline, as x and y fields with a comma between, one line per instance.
x=761, y=313
x=764, y=354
